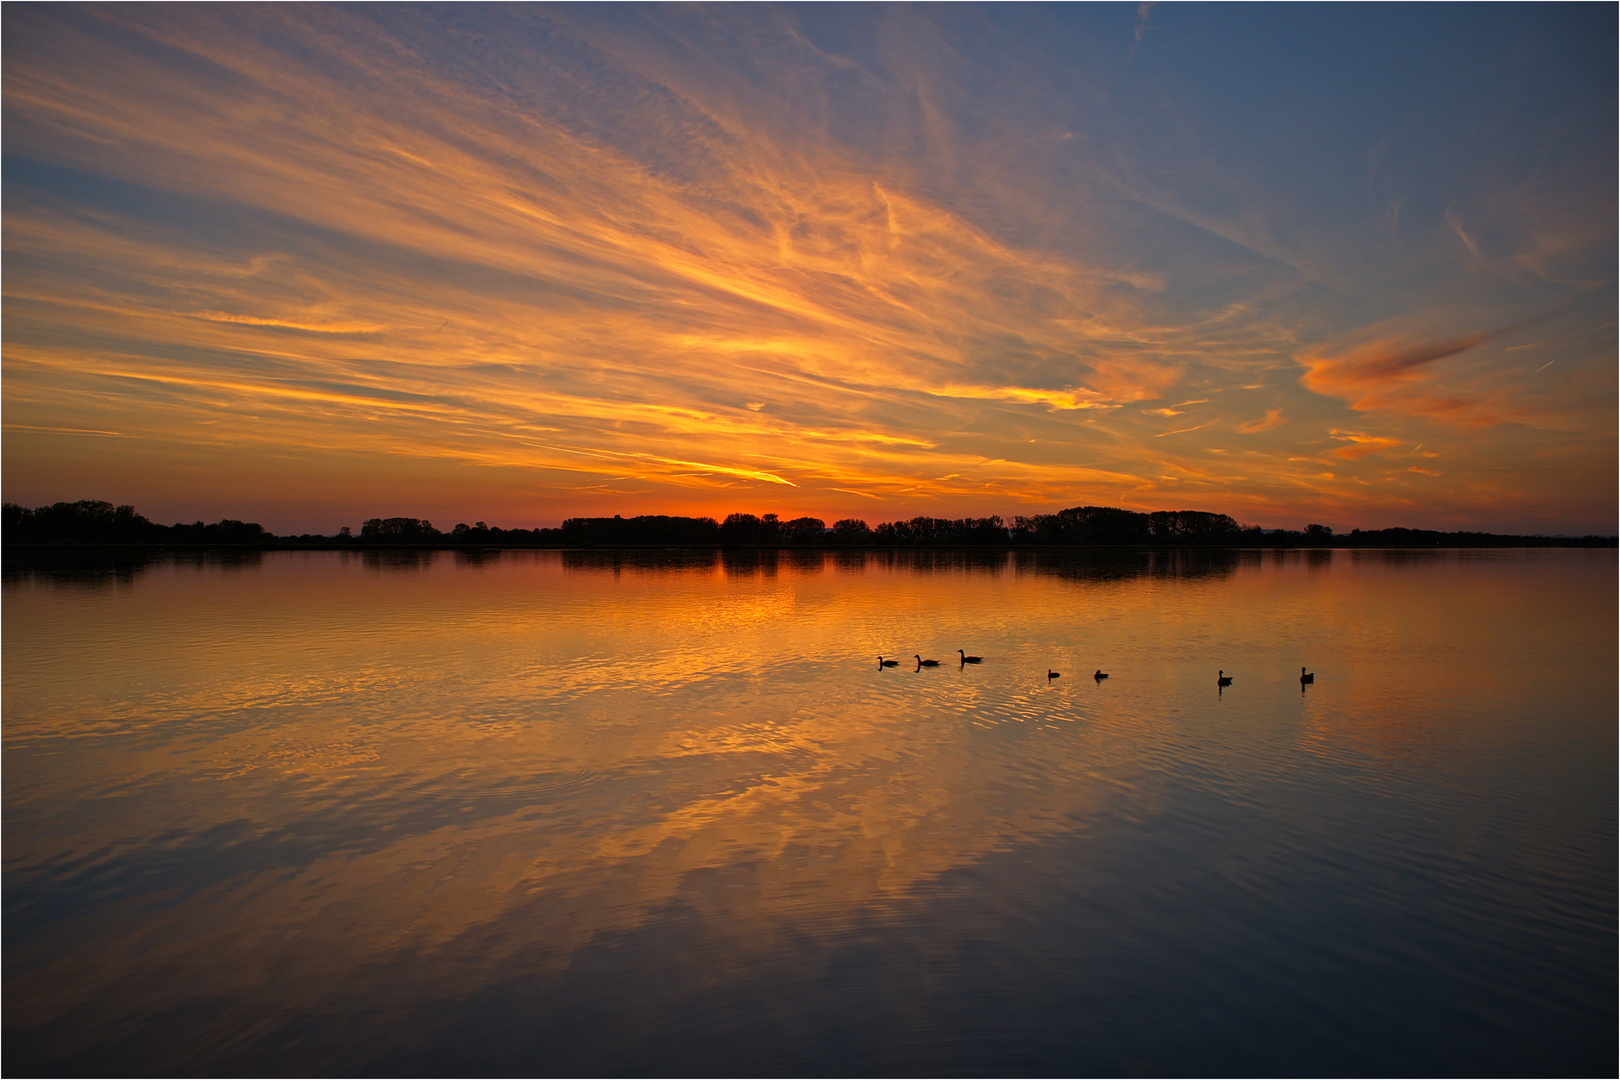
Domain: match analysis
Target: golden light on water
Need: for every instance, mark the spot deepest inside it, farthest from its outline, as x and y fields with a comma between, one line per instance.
x=486, y=769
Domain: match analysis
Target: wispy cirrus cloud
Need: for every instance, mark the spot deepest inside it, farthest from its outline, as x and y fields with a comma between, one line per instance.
x=685, y=260
x=1397, y=374
x=1360, y=444
x=285, y=323
x=724, y=278
x=1272, y=419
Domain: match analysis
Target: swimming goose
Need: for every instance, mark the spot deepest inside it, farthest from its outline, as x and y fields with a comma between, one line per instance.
x=1306, y=678
x=1101, y=675
x=887, y=663
x=1050, y=674
x=1222, y=679
x=966, y=659
x=926, y=663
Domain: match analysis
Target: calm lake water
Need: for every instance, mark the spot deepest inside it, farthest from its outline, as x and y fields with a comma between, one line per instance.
x=551, y=812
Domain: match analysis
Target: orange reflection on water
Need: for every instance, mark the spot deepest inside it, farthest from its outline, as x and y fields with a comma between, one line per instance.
x=329, y=766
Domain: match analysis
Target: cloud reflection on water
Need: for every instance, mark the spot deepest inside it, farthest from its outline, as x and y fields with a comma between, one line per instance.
x=353, y=796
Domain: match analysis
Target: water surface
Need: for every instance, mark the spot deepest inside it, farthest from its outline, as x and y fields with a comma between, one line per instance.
x=563, y=812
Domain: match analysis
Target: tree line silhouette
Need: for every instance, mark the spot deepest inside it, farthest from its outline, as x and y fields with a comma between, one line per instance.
x=90, y=522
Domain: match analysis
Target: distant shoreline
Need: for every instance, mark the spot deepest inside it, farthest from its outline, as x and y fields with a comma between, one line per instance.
x=91, y=524
x=1483, y=541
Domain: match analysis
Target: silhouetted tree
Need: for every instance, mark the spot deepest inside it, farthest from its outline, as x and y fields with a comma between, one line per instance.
x=852, y=532
x=1084, y=525
x=1103, y=525
x=399, y=530
x=740, y=529
x=88, y=521
x=932, y=532
x=95, y=522
x=805, y=530
x=1192, y=526
x=649, y=530
x=989, y=530
x=231, y=531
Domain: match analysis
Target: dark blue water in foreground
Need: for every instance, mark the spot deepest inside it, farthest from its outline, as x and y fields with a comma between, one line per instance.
x=560, y=813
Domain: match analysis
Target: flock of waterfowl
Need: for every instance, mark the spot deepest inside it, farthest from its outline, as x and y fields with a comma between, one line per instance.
x=1222, y=679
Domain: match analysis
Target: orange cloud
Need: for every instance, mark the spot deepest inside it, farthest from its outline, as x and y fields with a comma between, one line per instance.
x=1185, y=430
x=1360, y=445
x=1398, y=375
x=1052, y=399
x=702, y=292
x=1272, y=419
x=285, y=323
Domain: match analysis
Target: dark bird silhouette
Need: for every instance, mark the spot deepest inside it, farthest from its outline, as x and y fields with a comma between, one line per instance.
x=887, y=663
x=926, y=663
x=1050, y=674
x=966, y=659
x=1222, y=679
x=1101, y=675
x=1305, y=677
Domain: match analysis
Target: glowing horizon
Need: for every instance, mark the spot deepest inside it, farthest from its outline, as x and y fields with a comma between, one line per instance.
x=308, y=266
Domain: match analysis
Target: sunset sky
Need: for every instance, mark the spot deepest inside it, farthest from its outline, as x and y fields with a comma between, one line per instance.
x=310, y=265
